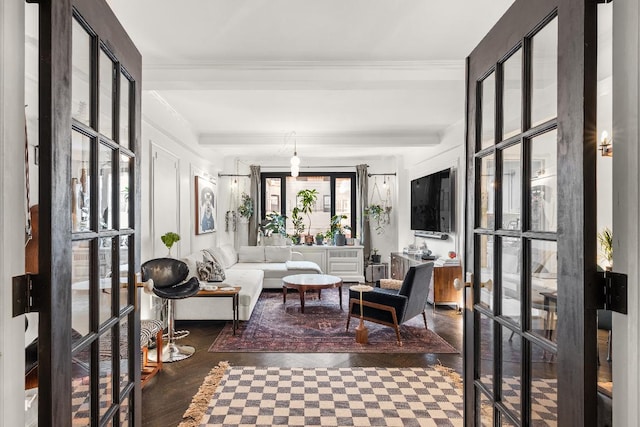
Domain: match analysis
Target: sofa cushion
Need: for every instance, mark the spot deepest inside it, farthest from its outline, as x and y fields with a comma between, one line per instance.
x=210, y=269
x=227, y=255
x=293, y=266
x=277, y=253
x=251, y=254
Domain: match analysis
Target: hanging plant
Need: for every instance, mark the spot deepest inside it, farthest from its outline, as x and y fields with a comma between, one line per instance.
x=246, y=208
x=379, y=215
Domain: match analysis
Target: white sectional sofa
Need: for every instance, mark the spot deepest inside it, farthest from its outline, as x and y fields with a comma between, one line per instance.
x=252, y=268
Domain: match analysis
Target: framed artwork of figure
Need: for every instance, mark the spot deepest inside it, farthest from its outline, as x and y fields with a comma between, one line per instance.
x=205, y=205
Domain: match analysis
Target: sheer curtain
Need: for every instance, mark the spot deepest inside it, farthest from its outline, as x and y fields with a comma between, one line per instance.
x=254, y=190
x=362, y=197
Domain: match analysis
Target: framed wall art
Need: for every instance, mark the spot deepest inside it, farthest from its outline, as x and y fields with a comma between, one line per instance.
x=205, y=205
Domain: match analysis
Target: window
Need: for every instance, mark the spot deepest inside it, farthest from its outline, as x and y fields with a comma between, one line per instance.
x=336, y=196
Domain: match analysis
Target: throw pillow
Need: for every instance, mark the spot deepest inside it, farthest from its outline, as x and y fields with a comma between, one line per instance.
x=390, y=284
x=210, y=270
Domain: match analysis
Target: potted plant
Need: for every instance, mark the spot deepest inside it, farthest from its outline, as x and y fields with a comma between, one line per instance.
x=379, y=215
x=169, y=239
x=375, y=257
x=298, y=225
x=307, y=200
x=246, y=207
x=319, y=238
x=273, y=226
x=605, y=238
x=336, y=230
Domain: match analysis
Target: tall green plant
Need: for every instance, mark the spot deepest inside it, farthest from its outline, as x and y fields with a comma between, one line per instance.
x=307, y=199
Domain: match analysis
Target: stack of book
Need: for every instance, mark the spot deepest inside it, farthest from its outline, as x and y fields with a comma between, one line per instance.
x=446, y=262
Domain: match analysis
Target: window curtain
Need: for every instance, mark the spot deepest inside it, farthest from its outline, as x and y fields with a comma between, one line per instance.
x=362, y=197
x=254, y=190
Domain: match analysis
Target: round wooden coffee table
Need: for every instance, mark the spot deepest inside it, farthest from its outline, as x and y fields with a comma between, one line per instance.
x=306, y=282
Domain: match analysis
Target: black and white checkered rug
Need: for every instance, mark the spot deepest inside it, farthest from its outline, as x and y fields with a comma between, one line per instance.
x=251, y=396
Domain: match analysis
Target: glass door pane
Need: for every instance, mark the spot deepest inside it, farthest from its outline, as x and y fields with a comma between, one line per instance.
x=81, y=77
x=512, y=95
x=543, y=183
x=544, y=74
x=106, y=95
x=488, y=105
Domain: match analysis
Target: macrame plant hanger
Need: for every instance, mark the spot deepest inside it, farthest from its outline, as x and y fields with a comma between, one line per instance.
x=384, y=216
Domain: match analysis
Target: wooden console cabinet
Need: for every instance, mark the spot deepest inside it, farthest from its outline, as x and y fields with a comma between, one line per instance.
x=442, y=290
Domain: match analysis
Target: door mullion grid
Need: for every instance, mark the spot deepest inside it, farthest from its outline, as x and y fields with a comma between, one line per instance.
x=94, y=320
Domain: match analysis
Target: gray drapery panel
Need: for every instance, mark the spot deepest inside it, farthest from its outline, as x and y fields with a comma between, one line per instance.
x=254, y=190
x=362, y=197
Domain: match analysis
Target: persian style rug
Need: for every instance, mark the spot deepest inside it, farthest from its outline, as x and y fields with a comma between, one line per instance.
x=278, y=327
x=259, y=396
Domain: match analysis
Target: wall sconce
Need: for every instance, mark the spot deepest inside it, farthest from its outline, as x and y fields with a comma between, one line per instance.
x=606, y=148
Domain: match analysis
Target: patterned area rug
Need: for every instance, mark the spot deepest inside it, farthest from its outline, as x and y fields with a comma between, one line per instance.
x=250, y=396
x=275, y=327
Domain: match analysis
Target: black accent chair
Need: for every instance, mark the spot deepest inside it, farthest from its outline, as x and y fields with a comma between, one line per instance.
x=394, y=307
x=170, y=282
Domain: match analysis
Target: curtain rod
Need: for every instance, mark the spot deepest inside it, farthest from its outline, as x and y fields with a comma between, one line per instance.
x=233, y=174
x=381, y=174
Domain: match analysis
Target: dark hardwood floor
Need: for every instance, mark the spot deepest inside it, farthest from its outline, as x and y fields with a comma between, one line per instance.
x=168, y=395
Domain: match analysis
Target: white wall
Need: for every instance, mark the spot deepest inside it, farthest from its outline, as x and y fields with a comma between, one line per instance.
x=626, y=200
x=164, y=129
x=12, y=195
x=432, y=160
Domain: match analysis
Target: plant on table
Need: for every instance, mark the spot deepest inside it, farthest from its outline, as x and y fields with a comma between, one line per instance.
x=336, y=230
x=274, y=223
x=298, y=225
x=169, y=239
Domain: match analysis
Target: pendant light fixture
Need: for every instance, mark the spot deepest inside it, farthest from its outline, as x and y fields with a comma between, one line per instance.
x=295, y=160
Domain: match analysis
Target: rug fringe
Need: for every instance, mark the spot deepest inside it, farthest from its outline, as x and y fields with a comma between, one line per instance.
x=451, y=373
x=200, y=402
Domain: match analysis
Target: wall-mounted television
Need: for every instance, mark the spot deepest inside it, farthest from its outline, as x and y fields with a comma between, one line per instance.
x=432, y=202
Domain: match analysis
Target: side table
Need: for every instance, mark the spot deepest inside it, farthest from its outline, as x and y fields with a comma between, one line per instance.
x=225, y=292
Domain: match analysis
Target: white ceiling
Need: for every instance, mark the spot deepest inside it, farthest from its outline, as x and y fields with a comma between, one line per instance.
x=364, y=74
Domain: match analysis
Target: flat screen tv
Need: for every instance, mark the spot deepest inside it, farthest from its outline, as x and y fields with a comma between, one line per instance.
x=432, y=202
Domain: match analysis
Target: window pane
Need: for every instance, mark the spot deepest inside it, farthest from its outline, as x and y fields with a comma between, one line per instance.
x=272, y=195
x=343, y=201
x=125, y=174
x=544, y=74
x=544, y=182
x=124, y=272
x=487, y=352
x=484, y=412
x=488, y=126
x=487, y=199
x=81, y=74
x=512, y=95
x=124, y=412
x=105, y=187
x=544, y=389
x=81, y=389
x=511, y=370
x=125, y=94
x=511, y=188
x=106, y=284
x=80, y=182
x=544, y=288
x=105, y=391
x=124, y=356
x=106, y=95
x=80, y=265
x=486, y=270
x=511, y=301
x=318, y=220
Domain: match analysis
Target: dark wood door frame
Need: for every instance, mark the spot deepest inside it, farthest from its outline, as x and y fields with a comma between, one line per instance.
x=576, y=122
x=55, y=127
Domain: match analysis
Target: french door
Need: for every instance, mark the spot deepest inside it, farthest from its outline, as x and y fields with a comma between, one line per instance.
x=530, y=320
x=89, y=93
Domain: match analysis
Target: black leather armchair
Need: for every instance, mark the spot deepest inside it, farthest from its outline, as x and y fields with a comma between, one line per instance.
x=170, y=282
x=394, y=307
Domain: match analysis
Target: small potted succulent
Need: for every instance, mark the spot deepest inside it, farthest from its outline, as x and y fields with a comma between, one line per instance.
x=319, y=238
x=169, y=239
